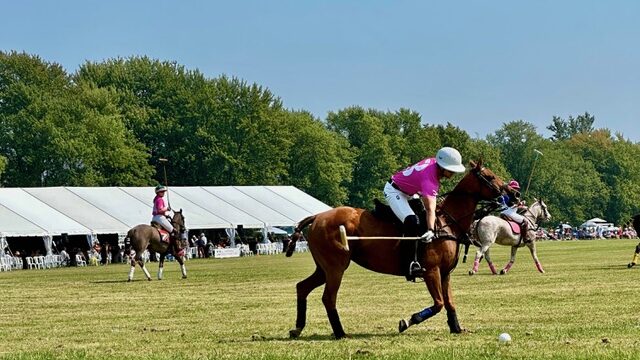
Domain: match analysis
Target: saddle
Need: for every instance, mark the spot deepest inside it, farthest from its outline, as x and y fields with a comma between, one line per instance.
x=165, y=236
x=515, y=227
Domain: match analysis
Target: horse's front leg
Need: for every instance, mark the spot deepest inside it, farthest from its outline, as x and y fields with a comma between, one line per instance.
x=183, y=268
x=514, y=250
x=487, y=257
x=432, y=280
x=534, y=255
x=161, y=266
x=452, y=317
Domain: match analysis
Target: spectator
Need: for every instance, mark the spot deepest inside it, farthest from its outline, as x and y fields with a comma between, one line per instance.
x=202, y=241
x=65, y=257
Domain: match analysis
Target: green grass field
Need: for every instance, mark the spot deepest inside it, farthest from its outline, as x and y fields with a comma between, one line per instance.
x=583, y=307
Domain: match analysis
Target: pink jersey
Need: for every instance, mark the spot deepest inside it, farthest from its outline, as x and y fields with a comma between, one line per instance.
x=158, y=203
x=420, y=178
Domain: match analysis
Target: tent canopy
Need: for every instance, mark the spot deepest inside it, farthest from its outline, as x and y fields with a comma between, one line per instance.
x=107, y=210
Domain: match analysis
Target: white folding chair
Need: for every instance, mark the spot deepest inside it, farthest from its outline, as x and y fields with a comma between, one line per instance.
x=80, y=260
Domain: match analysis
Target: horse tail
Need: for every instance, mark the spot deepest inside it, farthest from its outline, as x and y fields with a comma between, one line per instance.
x=127, y=243
x=297, y=233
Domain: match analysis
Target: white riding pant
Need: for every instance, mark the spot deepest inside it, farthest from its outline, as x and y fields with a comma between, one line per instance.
x=512, y=214
x=398, y=201
x=162, y=220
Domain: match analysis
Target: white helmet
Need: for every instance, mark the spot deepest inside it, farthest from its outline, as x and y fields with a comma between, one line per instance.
x=449, y=159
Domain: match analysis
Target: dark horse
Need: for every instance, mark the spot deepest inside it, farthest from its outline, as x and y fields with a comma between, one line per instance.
x=142, y=237
x=332, y=255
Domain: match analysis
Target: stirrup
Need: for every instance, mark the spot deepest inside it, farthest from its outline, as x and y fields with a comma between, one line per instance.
x=415, y=269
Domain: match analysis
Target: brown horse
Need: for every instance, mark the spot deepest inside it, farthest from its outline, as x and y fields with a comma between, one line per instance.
x=143, y=237
x=333, y=255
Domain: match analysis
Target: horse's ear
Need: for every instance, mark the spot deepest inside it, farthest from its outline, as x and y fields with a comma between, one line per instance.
x=180, y=211
x=472, y=163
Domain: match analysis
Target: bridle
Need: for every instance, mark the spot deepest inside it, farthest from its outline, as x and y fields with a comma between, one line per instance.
x=486, y=182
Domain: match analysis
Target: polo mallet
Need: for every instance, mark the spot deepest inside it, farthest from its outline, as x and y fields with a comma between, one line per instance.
x=538, y=152
x=166, y=183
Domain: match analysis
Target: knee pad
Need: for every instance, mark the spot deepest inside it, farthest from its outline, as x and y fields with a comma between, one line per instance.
x=411, y=225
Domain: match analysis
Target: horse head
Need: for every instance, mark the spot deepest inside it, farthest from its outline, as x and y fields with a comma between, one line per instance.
x=480, y=183
x=484, y=183
x=538, y=211
x=178, y=222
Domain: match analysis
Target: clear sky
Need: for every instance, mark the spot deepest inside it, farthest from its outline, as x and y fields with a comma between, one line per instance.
x=476, y=64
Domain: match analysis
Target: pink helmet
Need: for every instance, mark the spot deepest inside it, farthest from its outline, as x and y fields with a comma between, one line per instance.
x=514, y=184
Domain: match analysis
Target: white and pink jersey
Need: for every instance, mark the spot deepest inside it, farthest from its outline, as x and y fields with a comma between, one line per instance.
x=420, y=178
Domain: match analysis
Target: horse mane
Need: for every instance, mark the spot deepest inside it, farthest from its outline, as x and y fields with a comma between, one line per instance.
x=297, y=234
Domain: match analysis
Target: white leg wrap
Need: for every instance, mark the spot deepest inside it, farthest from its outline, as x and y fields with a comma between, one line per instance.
x=183, y=269
x=131, y=271
x=146, y=272
x=160, y=271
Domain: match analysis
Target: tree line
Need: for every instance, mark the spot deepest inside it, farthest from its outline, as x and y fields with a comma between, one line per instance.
x=109, y=123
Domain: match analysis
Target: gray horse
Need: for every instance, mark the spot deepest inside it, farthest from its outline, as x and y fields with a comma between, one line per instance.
x=493, y=229
x=143, y=237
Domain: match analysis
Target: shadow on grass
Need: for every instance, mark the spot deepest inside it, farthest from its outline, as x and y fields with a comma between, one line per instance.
x=319, y=337
x=114, y=281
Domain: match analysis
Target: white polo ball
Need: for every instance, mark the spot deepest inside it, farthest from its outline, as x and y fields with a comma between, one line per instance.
x=504, y=338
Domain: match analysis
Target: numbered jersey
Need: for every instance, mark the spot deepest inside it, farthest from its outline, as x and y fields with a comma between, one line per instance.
x=420, y=178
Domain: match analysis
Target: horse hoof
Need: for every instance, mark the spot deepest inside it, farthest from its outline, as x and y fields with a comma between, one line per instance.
x=129, y=280
x=295, y=333
x=503, y=272
x=402, y=325
x=630, y=265
x=471, y=272
x=184, y=276
x=149, y=279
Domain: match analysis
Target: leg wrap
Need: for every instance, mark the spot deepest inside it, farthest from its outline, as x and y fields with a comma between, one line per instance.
x=334, y=320
x=301, y=320
x=421, y=316
x=452, y=320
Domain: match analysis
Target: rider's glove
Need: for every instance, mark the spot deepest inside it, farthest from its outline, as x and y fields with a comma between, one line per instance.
x=427, y=237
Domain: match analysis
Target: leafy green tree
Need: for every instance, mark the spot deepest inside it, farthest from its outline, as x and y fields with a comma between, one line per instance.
x=565, y=129
x=374, y=157
x=54, y=132
x=320, y=161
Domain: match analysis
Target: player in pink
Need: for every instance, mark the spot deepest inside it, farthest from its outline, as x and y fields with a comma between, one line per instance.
x=422, y=179
x=161, y=210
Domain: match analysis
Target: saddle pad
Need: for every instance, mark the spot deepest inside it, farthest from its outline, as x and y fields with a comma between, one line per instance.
x=515, y=227
x=164, y=235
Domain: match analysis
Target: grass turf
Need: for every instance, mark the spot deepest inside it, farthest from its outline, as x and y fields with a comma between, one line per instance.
x=583, y=307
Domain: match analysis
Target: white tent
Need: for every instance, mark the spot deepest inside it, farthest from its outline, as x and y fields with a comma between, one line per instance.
x=91, y=211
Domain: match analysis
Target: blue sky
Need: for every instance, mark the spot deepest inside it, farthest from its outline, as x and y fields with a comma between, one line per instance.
x=476, y=64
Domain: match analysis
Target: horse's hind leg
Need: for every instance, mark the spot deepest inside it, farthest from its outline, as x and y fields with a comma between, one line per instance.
x=303, y=289
x=161, y=266
x=132, y=261
x=433, y=281
x=534, y=255
x=514, y=250
x=479, y=255
x=329, y=297
x=140, y=262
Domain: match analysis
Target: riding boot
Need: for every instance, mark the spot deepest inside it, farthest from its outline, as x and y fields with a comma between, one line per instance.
x=524, y=231
x=408, y=250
